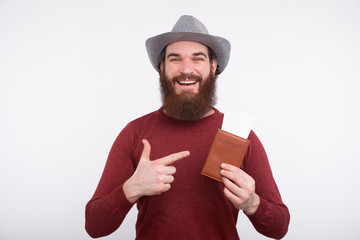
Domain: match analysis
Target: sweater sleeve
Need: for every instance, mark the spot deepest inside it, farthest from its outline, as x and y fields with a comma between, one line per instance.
x=272, y=216
x=108, y=207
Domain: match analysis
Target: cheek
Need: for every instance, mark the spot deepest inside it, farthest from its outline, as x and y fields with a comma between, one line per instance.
x=170, y=70
x=203, y=70
x=206, y=73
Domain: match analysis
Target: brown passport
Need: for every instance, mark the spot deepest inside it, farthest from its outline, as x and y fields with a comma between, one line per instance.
x=226, y=148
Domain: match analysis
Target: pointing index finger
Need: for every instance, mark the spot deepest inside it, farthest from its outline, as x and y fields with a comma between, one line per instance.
x=174, y=157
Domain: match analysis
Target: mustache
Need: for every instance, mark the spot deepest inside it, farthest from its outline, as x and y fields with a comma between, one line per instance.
x=184, y=76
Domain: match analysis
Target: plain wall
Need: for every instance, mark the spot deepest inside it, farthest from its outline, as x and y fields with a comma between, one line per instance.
x=74, y=73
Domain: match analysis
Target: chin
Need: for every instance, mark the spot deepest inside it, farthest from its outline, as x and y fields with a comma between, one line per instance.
x=187, y=94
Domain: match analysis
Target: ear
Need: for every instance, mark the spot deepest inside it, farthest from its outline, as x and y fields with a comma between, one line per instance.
x=161, y=66
x=214, y=66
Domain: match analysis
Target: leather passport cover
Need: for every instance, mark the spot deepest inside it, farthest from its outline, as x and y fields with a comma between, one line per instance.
x=226, y=148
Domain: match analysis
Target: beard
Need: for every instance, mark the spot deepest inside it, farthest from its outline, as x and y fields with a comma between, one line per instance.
x=188, y=106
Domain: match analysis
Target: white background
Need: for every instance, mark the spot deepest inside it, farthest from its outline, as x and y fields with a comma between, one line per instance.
x=74, y=72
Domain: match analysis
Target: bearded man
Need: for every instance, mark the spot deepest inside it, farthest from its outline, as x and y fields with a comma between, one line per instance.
x=156, y=160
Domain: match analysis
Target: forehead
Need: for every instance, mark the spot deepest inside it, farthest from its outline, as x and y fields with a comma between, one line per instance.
x=186, y=47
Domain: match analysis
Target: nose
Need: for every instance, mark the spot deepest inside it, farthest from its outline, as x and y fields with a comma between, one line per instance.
x=186, y=67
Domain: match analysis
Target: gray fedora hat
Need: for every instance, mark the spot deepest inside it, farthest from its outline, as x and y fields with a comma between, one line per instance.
x=188, y=28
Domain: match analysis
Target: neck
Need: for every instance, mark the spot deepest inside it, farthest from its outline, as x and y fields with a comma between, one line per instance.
x=210, y=112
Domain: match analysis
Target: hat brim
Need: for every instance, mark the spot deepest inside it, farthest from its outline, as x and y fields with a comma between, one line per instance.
x=220, y=46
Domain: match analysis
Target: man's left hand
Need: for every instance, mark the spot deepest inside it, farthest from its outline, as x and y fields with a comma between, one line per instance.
x=240, y=188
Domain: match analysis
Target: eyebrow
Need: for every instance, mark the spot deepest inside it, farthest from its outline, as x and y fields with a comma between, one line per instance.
x=173, y=55
x=200, y=54
x=178, y=55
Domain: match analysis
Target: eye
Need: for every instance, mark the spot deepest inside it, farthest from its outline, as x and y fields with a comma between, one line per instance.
x=174, y=59
x=198, y=59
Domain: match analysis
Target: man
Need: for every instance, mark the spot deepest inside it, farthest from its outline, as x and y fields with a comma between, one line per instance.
x=156, y=160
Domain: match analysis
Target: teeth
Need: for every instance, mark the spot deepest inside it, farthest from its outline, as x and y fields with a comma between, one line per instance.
x=187, y=82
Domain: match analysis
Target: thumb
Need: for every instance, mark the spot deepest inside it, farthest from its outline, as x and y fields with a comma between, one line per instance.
x=145, y=156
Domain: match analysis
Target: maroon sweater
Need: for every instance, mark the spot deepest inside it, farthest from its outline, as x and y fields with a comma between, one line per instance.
x=195, y=207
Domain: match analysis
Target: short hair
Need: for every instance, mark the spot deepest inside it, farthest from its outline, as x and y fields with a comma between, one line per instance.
x=211, y=54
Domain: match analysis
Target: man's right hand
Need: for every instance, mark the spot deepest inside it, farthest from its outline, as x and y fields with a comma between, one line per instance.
x=151, y=177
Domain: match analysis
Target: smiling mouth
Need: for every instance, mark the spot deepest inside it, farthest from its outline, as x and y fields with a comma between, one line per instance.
x=186, y=82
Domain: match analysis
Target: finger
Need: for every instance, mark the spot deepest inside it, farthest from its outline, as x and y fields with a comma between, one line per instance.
x=231, y=196
x=164, y=188
x=235, y=177
x=229, y=167
x=237, y=172
x=146, y=151
x=170, y=170
x=242, y=192
x=174, y=157
x=232, y=187
x=169, y=179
